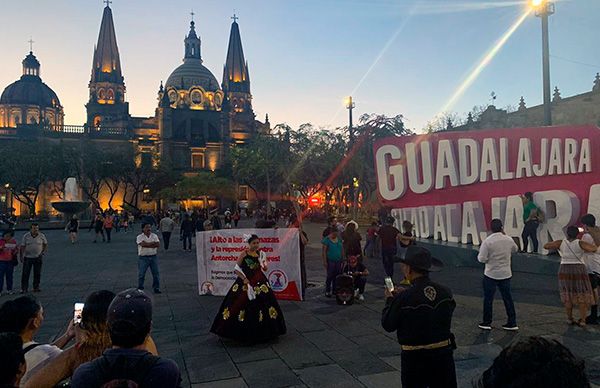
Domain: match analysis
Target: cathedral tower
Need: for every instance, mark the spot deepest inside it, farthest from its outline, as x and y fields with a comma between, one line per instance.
x=236, y=85
x=107, y=106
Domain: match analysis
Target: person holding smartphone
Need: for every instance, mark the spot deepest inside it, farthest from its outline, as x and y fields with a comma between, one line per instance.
x=422, y=317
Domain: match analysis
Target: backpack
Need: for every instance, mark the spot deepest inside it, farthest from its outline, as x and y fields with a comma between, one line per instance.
x=122, y=372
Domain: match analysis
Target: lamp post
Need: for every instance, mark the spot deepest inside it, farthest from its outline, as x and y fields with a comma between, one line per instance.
x=543, y=9
x=350, y=106
x=352, y=187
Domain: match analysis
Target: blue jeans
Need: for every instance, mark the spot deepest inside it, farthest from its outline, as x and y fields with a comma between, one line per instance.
x=334, y=268
x=388, y=254
x=187, y=238
x=6, y=270
x=489, y=289
x=530, y=230
x=143, y=263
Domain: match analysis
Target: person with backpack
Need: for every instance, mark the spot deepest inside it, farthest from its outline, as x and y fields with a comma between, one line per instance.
x=532, y=216
x=128, y=362
x=25, y=316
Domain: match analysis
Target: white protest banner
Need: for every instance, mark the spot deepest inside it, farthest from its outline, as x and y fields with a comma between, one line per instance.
x=218, y=250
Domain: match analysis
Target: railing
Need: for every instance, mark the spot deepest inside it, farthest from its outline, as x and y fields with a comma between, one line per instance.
x=34, y=130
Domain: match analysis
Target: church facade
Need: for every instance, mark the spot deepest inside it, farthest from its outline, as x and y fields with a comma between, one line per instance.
x=196, y=121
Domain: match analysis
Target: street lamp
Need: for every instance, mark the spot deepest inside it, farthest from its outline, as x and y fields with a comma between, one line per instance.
x=543, y=9
x=350, y=105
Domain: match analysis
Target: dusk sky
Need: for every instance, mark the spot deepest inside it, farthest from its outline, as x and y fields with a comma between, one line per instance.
x=305, y=56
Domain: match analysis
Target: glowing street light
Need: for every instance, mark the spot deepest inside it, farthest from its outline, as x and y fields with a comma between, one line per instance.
x=543, y=9
x=350, y=105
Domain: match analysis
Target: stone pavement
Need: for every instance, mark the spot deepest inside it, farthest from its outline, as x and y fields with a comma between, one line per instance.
x=326, y=346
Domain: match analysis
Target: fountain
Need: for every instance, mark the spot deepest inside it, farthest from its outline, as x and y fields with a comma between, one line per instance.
x=72, y=203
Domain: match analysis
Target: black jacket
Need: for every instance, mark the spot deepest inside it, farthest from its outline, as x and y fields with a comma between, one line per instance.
x=421, y=315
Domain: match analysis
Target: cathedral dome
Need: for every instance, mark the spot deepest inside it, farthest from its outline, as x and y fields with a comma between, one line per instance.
x=192, y=85
x=192, y=73
x=29, y=90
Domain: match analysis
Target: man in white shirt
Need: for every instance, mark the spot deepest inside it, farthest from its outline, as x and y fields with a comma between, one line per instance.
x=166, y=226
x=33, y=248
x=495, y=252
x=148, y=244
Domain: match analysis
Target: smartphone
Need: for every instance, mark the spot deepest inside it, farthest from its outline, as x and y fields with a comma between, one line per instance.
x=77, y=310
x=389, y=284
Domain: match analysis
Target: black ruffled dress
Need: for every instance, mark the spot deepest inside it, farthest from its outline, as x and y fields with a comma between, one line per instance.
x=247, y=320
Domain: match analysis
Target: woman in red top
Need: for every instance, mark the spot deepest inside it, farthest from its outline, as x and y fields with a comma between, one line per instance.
x=108, y=225
x=8, y=252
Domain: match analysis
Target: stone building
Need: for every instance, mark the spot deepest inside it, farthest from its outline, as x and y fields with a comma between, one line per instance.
x=195, y=123
x=580, y=109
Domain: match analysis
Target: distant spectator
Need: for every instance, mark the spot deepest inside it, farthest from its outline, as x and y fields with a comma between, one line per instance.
x=25, y=316
x=236, y=218
x=215, y=220
x=371, y=239
x=166, y=227
x=73, y=228
x=98, y=223
x=186, y=231
x=592, y=262
x=33, y=248
x=109, y=222
x=208, y=225
x=531, y=218
x=129, y=324
x=535, y=362
x=148, y=244
x=573, y=280
x=199, y=225
x=388, y=235
x=351, y=239
x=8, y=259
x=12, y=360
x=149, y=219
x=228, y=219
x=333, y=256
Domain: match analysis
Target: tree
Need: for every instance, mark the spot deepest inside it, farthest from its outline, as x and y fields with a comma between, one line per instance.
x=370, y=128
x=261, y=164
x=205, y=184
x=318, y=157
x=26, y=166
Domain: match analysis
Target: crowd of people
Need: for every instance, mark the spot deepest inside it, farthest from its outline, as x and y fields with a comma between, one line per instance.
x=112, y=343
x=111, y=346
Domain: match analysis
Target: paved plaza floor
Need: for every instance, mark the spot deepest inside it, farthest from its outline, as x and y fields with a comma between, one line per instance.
x=327, y=345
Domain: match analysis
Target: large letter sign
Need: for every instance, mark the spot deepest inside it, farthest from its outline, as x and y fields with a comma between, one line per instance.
x=451, y=184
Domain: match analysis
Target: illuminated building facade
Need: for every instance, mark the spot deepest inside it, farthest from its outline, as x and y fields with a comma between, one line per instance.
x=195, y=123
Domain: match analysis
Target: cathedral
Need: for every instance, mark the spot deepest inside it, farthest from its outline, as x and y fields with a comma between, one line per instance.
x=197, y=118
x=196, y=121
